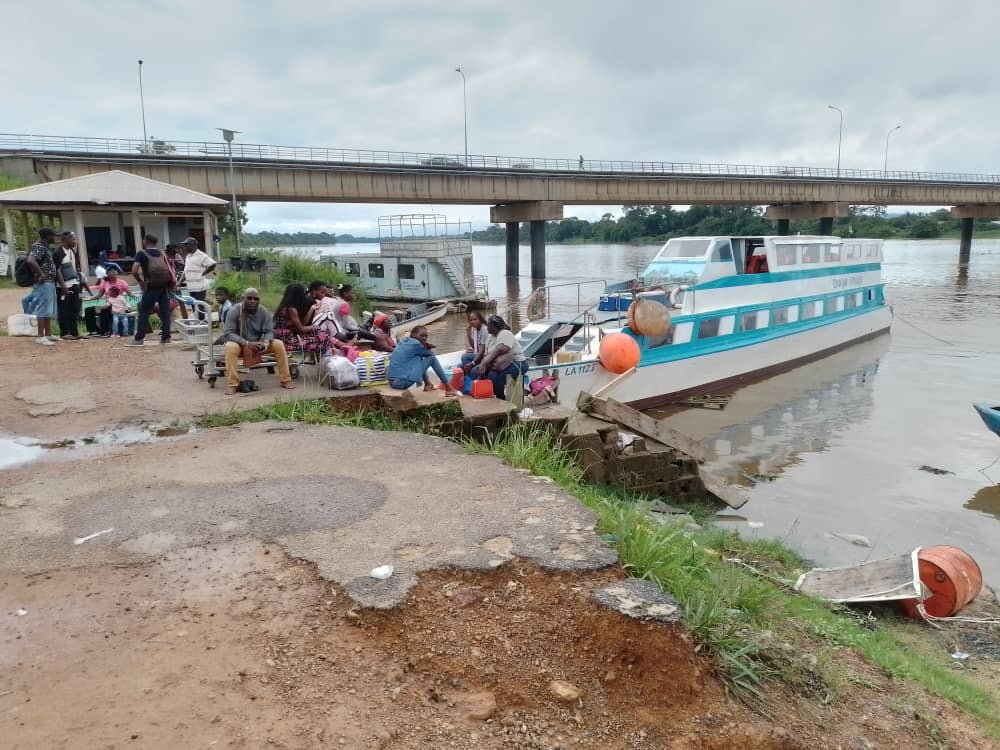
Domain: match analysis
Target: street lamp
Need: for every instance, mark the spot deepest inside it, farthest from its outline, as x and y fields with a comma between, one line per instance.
x=840, y=137
x=227, y=136
x=465, y=114
x=142, y=106
x=885, y=164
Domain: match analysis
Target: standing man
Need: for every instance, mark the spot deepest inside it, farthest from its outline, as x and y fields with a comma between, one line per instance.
x=69, y=277
x=197, y=265
x=42, y=298
x=155, y=274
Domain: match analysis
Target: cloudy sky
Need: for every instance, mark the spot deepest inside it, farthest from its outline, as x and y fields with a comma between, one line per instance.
x=718, y=80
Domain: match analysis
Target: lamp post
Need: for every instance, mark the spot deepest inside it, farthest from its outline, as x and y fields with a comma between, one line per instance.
x=142, y=106
x=885, y=163
x=840, y=137
x=227, y=136
x=465, y=113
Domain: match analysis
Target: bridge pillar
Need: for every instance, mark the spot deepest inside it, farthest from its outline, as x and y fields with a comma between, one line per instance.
x=783, y=227
x=513, y=248
x=826, y=225
x=536, y=212
x=825, y=212
x=968, y=214
x=538, y=249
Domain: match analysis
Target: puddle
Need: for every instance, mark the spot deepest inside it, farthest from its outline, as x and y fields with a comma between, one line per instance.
x=15, y=451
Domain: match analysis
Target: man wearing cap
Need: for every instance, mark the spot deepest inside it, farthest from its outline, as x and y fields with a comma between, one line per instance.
x=249, y=327
x=197, y=265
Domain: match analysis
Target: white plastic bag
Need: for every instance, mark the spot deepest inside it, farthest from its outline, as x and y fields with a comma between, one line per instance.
x=341, y=372
x=22, y=325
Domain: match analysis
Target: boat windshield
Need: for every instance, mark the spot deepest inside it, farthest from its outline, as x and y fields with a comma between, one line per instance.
x=673, y=272
x=685, y=247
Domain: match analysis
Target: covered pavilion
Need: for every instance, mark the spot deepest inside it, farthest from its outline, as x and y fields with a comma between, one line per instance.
x=113, y=210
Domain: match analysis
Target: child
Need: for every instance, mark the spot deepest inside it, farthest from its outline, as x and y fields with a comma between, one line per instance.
x=121, y=324
x=224, y=303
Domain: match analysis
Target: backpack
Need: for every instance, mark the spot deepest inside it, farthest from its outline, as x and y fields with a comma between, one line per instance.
x=23, y=274
x=159, y=274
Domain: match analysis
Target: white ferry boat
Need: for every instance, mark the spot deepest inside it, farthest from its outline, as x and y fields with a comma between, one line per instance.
x=741, y=308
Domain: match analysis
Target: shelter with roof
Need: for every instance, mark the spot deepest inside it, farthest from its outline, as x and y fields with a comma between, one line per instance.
x=115, y=209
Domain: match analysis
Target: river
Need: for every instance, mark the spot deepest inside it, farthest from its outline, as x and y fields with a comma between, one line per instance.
x=837, y=446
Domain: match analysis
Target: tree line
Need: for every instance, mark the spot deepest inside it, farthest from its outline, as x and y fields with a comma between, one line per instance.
x=651, y=224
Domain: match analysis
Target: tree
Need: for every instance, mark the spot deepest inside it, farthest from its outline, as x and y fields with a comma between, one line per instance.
x=226, y=220
x=925, y=228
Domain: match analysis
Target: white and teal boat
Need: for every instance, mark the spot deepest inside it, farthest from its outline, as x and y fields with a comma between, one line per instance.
x=741, y=308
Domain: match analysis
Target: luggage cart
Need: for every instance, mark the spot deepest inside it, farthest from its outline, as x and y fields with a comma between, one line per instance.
x=209, y=358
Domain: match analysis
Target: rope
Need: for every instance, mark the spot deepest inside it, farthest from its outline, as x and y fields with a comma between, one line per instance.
x=933, y=620
x=926, y=333
x=990, y=465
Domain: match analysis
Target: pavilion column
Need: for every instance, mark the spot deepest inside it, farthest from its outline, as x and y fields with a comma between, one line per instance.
x=8, y=228
x=81, y=240
x=137, y=231
x=209, y=228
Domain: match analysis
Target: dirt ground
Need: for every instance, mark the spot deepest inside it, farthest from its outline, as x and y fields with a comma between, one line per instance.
x=220, y=614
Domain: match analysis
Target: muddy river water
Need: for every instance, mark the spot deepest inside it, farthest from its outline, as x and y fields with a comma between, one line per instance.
x=837, y=446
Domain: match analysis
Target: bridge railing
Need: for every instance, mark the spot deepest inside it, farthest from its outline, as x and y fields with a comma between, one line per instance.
x=259, y=152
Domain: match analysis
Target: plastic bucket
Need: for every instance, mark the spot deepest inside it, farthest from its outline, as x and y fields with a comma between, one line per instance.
x=952, y=578
x=457, y=378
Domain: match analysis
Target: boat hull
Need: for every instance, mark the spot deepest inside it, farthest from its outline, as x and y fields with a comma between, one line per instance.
x=658, y=384
x=990, y=416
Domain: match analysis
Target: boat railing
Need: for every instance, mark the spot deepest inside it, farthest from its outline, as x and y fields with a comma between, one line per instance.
x=546, y=293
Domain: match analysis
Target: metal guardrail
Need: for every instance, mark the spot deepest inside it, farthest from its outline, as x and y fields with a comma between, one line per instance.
x=257, y=152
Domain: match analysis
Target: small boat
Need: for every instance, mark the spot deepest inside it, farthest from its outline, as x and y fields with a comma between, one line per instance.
x=990, y=416
x=423, y=314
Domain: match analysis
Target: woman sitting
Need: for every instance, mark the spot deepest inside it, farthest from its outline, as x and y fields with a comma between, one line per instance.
x=411, y=360
x=504, y=357
x=382, y=328
x=292, y=320
x=347, y=327
x=476, y=338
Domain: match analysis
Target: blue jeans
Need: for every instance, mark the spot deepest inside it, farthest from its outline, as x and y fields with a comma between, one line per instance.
x=468, y=358
x=122, y=324
x=41, y=300
x=499, y=377
x=151, y=298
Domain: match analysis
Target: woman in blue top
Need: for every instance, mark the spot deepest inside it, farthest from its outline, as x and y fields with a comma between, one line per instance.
x=410, y=361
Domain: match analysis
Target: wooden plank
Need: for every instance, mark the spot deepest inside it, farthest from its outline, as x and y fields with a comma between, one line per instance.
x=642, y=423
x=732, y=496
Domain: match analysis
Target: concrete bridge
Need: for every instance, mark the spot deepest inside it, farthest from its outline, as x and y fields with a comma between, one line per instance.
x=518, y=188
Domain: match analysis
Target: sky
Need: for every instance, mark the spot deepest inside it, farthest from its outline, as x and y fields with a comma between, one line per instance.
x=713, y=81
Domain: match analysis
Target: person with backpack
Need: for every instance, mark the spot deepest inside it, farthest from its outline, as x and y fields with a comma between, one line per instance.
x=155, y=274
x=41, y=300
x=69, y=277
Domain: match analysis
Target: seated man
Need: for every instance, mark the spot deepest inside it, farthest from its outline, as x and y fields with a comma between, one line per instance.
x=249, y=328
x=410, y=361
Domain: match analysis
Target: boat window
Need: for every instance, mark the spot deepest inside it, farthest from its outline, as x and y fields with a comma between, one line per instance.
x=834, y=304
x=788, y=255
x=748, y=321
x=871, y=295
x=831, y=253
x=685, y=248
x=353, y=269
x=810, y=254
x=722, y=251
x=852, y=300
x=406, y=271
x=708, y=328
x=376, y=270
x=780, y=315
x=655, y=342
x=811, y=310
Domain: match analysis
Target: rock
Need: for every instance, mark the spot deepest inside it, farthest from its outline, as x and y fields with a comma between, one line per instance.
x=478, y=706
x=639, y=599
x=855, y=539
x=611, y=676
x=565, y=691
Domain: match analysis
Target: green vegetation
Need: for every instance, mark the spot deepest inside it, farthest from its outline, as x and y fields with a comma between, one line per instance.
x=298, y=239
x=291, y=268
x=735, y=593
x=655, y=224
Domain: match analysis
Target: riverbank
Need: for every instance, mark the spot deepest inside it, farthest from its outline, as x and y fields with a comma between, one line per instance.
x=242, y=551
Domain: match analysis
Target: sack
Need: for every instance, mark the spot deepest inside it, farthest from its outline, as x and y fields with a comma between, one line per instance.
x=247, y=386
x=23, y=274
x=341, y=372
x=372, y=368
x=20, y=324
x=250, y=356
x=159, y=274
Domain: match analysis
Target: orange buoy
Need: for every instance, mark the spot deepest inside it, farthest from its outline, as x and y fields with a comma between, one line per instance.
x=619, y=352
x=952, y=578
x=647, y=317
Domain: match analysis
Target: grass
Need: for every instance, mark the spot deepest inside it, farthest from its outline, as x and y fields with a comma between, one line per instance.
x=748, y=622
